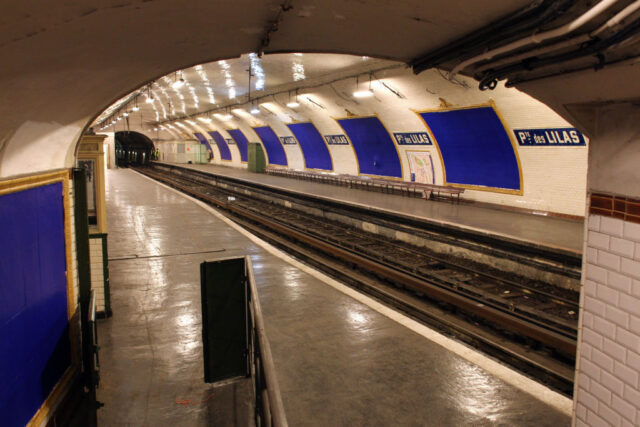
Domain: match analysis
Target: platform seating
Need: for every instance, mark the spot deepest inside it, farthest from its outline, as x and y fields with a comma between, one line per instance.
x=415, y=189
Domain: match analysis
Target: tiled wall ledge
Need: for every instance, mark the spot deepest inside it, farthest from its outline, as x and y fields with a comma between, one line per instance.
x=621, y=207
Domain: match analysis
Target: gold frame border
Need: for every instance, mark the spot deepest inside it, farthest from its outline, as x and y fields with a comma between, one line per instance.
x=491, y=104
x=25, y=183
x=354, y=150
x=302, y=151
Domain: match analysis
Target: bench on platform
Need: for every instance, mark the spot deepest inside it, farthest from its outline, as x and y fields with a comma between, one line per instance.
x=428, y=191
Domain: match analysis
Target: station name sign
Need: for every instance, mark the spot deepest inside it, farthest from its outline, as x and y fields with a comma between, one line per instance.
x=288, y=140
x=336, y=139
x=230, y=141
x=555, y=136
x=413, y=138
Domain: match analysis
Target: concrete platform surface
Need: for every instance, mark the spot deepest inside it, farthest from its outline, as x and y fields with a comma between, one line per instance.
x=339, y=361
x=554, y=232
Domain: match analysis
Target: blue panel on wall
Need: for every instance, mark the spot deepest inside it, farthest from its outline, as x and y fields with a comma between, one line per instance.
x=225, y=154
x=315, y=151
x=271, y=142
x=376, y=153
x=203, y=140
x=241, y=140
x=475, y=147
x=34, y=336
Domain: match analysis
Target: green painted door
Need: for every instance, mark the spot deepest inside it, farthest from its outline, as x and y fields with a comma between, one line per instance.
x=257, y=160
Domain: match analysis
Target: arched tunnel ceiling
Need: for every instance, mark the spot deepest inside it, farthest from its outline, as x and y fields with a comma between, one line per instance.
x=217, y=87
x=63, y=64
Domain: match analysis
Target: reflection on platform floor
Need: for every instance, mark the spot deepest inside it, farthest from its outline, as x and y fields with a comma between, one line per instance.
x=338, y=361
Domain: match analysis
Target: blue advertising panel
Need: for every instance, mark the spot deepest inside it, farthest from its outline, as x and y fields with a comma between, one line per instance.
x=288, y=140
x=225, y=153
x=315, y=151
x=241, y=141
x=336, y=139
x=567, y=137
x=375, y=151
x=34, y=328
x=203, y=140
x=475, y=147
x=271, y=142
x=412, y=138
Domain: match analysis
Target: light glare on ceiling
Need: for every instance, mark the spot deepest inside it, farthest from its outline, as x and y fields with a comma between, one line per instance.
x=293, y=104
x=363, y=93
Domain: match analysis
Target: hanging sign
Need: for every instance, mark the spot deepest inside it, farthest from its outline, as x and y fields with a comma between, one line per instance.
x=336, y=139
x=288, y=140
x=413, y=138
x=555, y=136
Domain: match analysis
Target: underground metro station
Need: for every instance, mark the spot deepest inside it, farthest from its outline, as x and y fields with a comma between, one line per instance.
x=320, y=213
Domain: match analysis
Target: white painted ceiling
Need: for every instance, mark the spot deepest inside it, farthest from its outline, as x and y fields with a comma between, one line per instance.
x=216, y=85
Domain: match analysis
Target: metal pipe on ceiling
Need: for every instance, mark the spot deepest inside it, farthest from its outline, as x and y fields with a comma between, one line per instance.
x=616, y=20
x=537, y=38
x=533, y=16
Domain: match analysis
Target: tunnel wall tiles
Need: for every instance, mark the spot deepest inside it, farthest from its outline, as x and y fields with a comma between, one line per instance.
x=375, y=150
x=34, y=326
x=203, y=140
x=475, y=147
x=275, y=152
x=608, y=373
x=225, y=153
x=620, y=207
x=97, y=272
x=314, y=149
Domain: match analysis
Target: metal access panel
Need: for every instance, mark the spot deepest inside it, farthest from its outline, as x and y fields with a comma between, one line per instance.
x=224, y=318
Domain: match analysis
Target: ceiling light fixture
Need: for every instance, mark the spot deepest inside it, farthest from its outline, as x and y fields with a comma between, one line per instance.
x=149, y=99
x=255, y=110
x=125, y=114
x=135, y=104
x=204, y=119
x=179, y=82
x=363, y=93
x=294, y=103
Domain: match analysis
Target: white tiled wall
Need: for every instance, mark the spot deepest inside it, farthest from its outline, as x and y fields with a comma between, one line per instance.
x=608, y=372
x=97, y=272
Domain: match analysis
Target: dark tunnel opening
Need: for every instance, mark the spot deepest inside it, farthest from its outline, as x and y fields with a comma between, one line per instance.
x=133, y=148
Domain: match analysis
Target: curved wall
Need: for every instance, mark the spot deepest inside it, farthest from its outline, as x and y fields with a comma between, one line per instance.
x=492, y=166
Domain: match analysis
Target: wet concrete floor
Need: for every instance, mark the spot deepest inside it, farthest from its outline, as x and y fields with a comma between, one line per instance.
x=338, y=361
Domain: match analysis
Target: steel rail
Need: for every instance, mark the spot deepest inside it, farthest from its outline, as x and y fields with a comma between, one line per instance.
x=503, y=319
x=505, y=282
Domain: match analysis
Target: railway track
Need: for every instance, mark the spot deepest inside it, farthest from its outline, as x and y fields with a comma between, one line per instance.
x=529, y=325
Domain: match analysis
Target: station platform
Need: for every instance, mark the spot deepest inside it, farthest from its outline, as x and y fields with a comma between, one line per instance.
x=341, y=358
x=547, y=231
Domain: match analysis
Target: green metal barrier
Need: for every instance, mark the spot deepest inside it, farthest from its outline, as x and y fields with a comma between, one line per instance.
x=234, y=338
